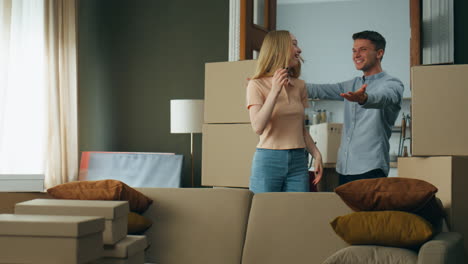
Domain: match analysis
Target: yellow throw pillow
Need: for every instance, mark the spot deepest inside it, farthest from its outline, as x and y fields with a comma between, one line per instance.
x=137, y=224
x=384, y=228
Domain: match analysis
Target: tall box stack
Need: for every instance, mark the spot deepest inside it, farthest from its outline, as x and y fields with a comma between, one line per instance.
x=228, y=139
x=439, y=146
x=450, y=175
x=439, y=112
x=227, y=154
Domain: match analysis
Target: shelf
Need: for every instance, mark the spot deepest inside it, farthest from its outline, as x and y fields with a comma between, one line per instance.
x=396, y=129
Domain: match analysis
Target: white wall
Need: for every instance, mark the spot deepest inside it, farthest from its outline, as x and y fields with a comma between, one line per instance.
x=324, y=31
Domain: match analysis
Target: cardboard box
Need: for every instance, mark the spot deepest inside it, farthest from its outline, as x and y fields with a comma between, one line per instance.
x=45, y=239
x=22, y=183
x=227, y=155
x=328, y=138
x=450, y=175
x=115, y=213
x=439, y=115
x=130, y=250
x=225, y=91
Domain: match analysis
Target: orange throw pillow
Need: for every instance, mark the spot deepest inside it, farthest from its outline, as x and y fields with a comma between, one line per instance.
x=102, y=190
x=394, y=193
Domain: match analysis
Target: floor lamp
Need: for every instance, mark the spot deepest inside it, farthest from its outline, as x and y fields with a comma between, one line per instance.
x=187, y=117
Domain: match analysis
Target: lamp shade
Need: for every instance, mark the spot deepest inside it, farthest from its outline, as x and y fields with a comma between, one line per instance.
x=186, y=116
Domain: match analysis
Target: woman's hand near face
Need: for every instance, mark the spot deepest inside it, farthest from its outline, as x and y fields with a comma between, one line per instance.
x=280, y=79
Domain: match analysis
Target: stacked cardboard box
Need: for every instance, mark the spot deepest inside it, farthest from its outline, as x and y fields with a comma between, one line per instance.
x=228, y=139
x=50, y=239
x=115, y=213
x=439, y=129
x=129, y=250
x=118, y=247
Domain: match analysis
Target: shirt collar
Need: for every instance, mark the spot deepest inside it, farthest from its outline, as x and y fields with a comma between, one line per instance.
x=374, y=76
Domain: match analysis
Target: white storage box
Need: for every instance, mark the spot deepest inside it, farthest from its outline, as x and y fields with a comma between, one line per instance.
x=130, y=250
x=114, y=212
x=21, y=182
x=328, y=138
x=45, y=239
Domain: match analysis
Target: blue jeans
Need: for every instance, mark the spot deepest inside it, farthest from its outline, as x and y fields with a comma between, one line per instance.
x=278, y=170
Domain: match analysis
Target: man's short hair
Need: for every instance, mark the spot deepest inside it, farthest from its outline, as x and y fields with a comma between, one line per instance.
x=375, y=37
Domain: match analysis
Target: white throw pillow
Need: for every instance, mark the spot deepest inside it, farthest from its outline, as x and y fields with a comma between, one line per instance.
x=372, y=255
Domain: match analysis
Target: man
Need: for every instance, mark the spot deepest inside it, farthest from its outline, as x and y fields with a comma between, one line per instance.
x=372, y=104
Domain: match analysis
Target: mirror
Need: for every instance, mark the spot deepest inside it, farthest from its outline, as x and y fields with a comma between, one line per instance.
x=324, y=30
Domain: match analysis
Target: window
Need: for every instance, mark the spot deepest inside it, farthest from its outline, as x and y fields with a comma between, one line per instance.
x=22, y=87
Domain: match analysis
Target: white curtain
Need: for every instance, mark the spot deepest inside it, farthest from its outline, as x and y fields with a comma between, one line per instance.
x=22, y=87
x=62, y=133
x=38, y=89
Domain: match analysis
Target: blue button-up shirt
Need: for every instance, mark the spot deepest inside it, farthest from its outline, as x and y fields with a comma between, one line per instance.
x=367, y=128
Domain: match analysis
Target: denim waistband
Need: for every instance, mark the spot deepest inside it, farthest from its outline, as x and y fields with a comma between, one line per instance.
x=282, y=150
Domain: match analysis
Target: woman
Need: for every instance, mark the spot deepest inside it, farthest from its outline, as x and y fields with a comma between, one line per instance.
x=276, y=100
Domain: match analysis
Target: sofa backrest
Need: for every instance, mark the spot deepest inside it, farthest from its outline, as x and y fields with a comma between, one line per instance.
x=293, y=228
x=197, y=225
x=9, y=199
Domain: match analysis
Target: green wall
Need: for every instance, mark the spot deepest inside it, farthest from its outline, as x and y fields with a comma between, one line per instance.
x=95, y=95
x=134, y=57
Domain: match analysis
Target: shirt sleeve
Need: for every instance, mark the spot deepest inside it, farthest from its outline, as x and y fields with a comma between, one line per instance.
x=389, y=94
x=328, y=91
x=254, y=95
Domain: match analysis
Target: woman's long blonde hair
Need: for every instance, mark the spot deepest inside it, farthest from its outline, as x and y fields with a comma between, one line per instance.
x=275, y=54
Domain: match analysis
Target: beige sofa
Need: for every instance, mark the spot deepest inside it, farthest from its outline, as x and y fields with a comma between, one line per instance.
x=224, y=226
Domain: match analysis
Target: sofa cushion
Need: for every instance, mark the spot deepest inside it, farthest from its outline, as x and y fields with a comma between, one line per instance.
x=197, y=225
x=372, y=255
x=102, y=190
x=385, y=228
x=137, y=224
x=394, y=193
x=293, y=228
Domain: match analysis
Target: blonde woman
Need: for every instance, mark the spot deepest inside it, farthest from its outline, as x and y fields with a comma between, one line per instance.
x=276, y=100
